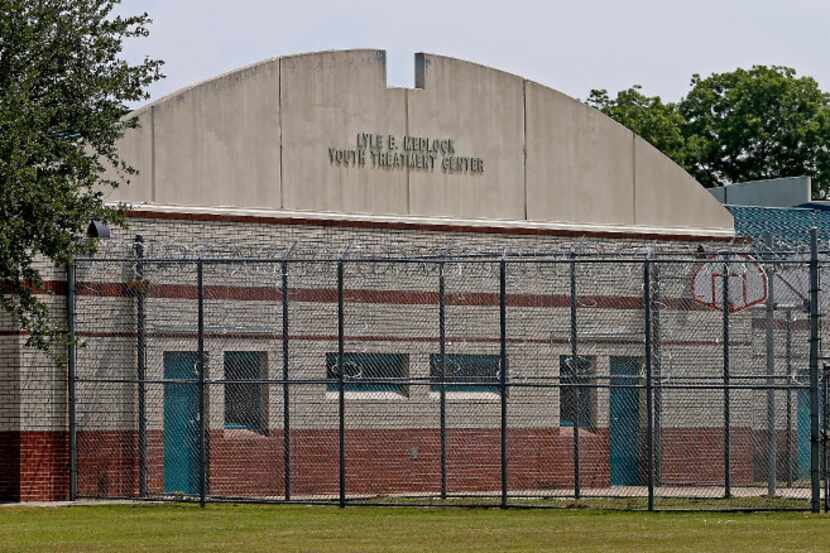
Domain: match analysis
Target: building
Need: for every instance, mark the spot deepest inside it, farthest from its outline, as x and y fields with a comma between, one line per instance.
x=313, y=155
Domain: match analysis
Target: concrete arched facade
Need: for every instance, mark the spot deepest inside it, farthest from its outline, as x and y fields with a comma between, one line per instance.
x=266, y=137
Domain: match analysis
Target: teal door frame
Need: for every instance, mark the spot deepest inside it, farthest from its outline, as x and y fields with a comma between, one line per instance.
x=181, y=423
x=802, y=431
x=624, y=421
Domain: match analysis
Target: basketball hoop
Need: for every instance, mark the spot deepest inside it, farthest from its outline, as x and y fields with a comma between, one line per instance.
x=747, y=284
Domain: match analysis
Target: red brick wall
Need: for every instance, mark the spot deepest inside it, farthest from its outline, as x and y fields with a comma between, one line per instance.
x=694, y=456
x=9, y=466
x=408, y=461
x=244, y=463
x=382, y=461
x=108, y=464
x=378, y=461
x=760, y=454
x=44, y=466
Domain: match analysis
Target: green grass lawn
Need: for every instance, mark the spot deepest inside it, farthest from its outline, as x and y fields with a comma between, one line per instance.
x=245, y=528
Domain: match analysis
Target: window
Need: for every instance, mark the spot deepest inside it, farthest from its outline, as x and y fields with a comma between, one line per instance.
x=359, y=369
x=573, y=400
x=465, y=372
x=246, y=402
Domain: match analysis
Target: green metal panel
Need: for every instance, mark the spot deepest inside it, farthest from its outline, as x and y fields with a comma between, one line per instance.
x=625, y=421
x=791, y=224
x=181, y=423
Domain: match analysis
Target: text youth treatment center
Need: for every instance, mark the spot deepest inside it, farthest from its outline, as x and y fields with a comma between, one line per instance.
x=407, y=152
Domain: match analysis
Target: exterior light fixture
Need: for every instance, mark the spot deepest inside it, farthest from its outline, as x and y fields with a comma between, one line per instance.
x=98, y=229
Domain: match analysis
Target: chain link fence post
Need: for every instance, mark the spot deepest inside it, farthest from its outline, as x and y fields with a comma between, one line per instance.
x=772, y=461
x=503, y=375
x=814, y=353
x=203, y=415
x=71, y=378
x=649, y=383
x=341, y=388
x=442, y=337
x=727, y=433
x=141, y=359
x=657, y=370
x=788, y=355
x=286, y=391
x=824, y=390
x=575, y=370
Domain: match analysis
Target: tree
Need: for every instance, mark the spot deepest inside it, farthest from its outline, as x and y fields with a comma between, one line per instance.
x=765, y=122
x=64, y=90
x=658, y=122
x=760, y=123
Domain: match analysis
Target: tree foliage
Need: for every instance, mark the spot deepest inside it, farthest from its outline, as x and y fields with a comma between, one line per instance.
x=64, y=90
x=758, y=123
x=658, y=122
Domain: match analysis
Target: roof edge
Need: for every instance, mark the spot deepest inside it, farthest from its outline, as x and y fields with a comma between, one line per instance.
x=439, y=223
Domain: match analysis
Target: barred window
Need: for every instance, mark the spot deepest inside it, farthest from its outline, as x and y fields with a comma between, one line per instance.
x=246, y=401
x=360, y=369
x=575, y=401
x=465, y=372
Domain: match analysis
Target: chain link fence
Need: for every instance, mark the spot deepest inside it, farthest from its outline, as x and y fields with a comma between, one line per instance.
x=528, y=380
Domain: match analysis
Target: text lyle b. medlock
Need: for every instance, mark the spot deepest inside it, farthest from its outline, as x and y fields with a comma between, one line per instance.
x=379, y=151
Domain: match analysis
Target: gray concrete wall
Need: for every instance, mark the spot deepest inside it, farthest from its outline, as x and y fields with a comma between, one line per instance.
x=327, y=99
x=783, y=192
x=218, y=143
x=483, y=110
x=267, y=137
x=580, y=165
x=666, y=195
x=136, y=149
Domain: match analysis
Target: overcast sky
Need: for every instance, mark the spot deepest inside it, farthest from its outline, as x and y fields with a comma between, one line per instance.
x=572, y=46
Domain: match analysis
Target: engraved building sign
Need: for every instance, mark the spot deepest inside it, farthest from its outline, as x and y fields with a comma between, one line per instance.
x=386, y=151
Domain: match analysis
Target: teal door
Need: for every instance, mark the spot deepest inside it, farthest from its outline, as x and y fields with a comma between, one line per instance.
x=624, y=407
x=802, y=431
x=181, y=424
x=802, y=435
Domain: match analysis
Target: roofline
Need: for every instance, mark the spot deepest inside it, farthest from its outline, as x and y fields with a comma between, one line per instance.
x=795, y=208
x=237, y=70
x=406, y=222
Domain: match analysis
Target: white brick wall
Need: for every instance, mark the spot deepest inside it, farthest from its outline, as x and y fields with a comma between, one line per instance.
x=539, y=335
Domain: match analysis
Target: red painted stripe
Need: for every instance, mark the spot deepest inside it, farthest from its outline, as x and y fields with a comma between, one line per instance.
x=402, y=339
x=387, y=297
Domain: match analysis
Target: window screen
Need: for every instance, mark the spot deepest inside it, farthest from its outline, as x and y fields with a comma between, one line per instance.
x=359, y=369
x=245, y=401
x=573, y=400
x=465, y=372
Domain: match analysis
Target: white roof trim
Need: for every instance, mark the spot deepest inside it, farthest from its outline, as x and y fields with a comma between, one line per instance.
x=437, y=221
